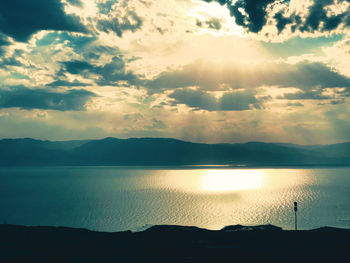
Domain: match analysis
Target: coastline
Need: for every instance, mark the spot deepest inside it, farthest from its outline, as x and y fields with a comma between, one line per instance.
x=166, y=243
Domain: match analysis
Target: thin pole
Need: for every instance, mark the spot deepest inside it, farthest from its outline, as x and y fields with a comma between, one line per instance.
x=295, y=213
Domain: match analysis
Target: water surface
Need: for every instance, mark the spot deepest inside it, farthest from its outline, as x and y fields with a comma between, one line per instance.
x=120, y=198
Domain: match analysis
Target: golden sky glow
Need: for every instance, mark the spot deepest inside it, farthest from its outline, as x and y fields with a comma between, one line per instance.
x=187, y=69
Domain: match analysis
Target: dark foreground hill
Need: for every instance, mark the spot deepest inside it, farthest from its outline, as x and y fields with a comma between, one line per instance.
x=162, y=151
x=173, y=244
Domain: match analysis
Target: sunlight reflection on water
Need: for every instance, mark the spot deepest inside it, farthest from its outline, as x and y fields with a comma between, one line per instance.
x=231, y=180
x=224, y=181
x=121, y=198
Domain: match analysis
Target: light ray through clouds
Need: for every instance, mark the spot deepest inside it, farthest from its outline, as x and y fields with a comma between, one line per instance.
x=199, y=70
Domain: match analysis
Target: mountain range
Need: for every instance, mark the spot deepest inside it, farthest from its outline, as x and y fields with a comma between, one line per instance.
x=165, y=151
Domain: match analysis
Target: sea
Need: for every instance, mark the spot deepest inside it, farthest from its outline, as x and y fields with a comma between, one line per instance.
x=135, y=198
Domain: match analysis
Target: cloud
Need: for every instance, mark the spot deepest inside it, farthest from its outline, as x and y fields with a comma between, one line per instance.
x=250, y=14
x=109, y=73
x=212, y=23
x=63, y=83
x=75, y=2
x=282, y=21
x=195, y=99
x=210, y=76
x=105, y=7
x=156, y=124
x=89, y=47
x=296, y=104
x=130, y=22
x=297, y=46
x=3, y=42
x=230, y=101
x=308, y=95
x=77, y=66
x=317, y=19
x=79, y=43
x=21, y=18
x=255, y=14
x=24, y=98
x=318, y=15
x=12, y=60
x=336, y=102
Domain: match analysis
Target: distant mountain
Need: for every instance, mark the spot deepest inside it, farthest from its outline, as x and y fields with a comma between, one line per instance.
x=164, y=151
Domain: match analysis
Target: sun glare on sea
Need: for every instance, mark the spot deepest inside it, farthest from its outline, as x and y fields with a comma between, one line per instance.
x=231, y=180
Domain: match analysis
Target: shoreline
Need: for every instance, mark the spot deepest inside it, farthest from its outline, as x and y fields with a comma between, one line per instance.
x=169, y=243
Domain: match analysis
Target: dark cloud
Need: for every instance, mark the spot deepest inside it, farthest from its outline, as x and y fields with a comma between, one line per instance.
x=231, y=101
x=282, y=21
x=77, y=66
x=3, y=42
x=76, y=2
x=156, y=124
x=304, y=75
x=11, y=61
x=238, y=101
x=296, y=104
x=130, y=22
x=252, y=15
x=160, y=30
x=63, y=83
x=347, y=19
x=317, y=20
x=21, y=18
x=317, y=14
x=195, y=99
x=94, y=52
x=344, y=92
x=212, y=23
x=105, y=7
x=108, y=74
x=307, y=95
x=135, y=117
x=24, y=98
x=336, y=102
x=116, y=71
x=79, y=43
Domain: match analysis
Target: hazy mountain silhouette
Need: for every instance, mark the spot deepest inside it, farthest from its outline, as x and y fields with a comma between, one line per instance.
x=164, y=151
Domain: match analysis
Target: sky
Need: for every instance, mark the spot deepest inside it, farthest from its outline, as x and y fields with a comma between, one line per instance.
x=209, y=71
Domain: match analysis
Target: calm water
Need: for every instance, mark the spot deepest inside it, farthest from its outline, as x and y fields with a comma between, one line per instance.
x=120, y=198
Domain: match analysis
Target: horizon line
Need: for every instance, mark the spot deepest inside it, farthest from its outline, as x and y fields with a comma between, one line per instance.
x=170, y=138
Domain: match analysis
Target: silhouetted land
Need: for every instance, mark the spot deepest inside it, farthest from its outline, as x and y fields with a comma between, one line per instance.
x=162, y=151
x=173, y=244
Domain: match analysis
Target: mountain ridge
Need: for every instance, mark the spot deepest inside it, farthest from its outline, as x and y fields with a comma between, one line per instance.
x=166, y=151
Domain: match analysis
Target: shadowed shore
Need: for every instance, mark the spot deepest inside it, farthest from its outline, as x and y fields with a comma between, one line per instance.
x=173, y=244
